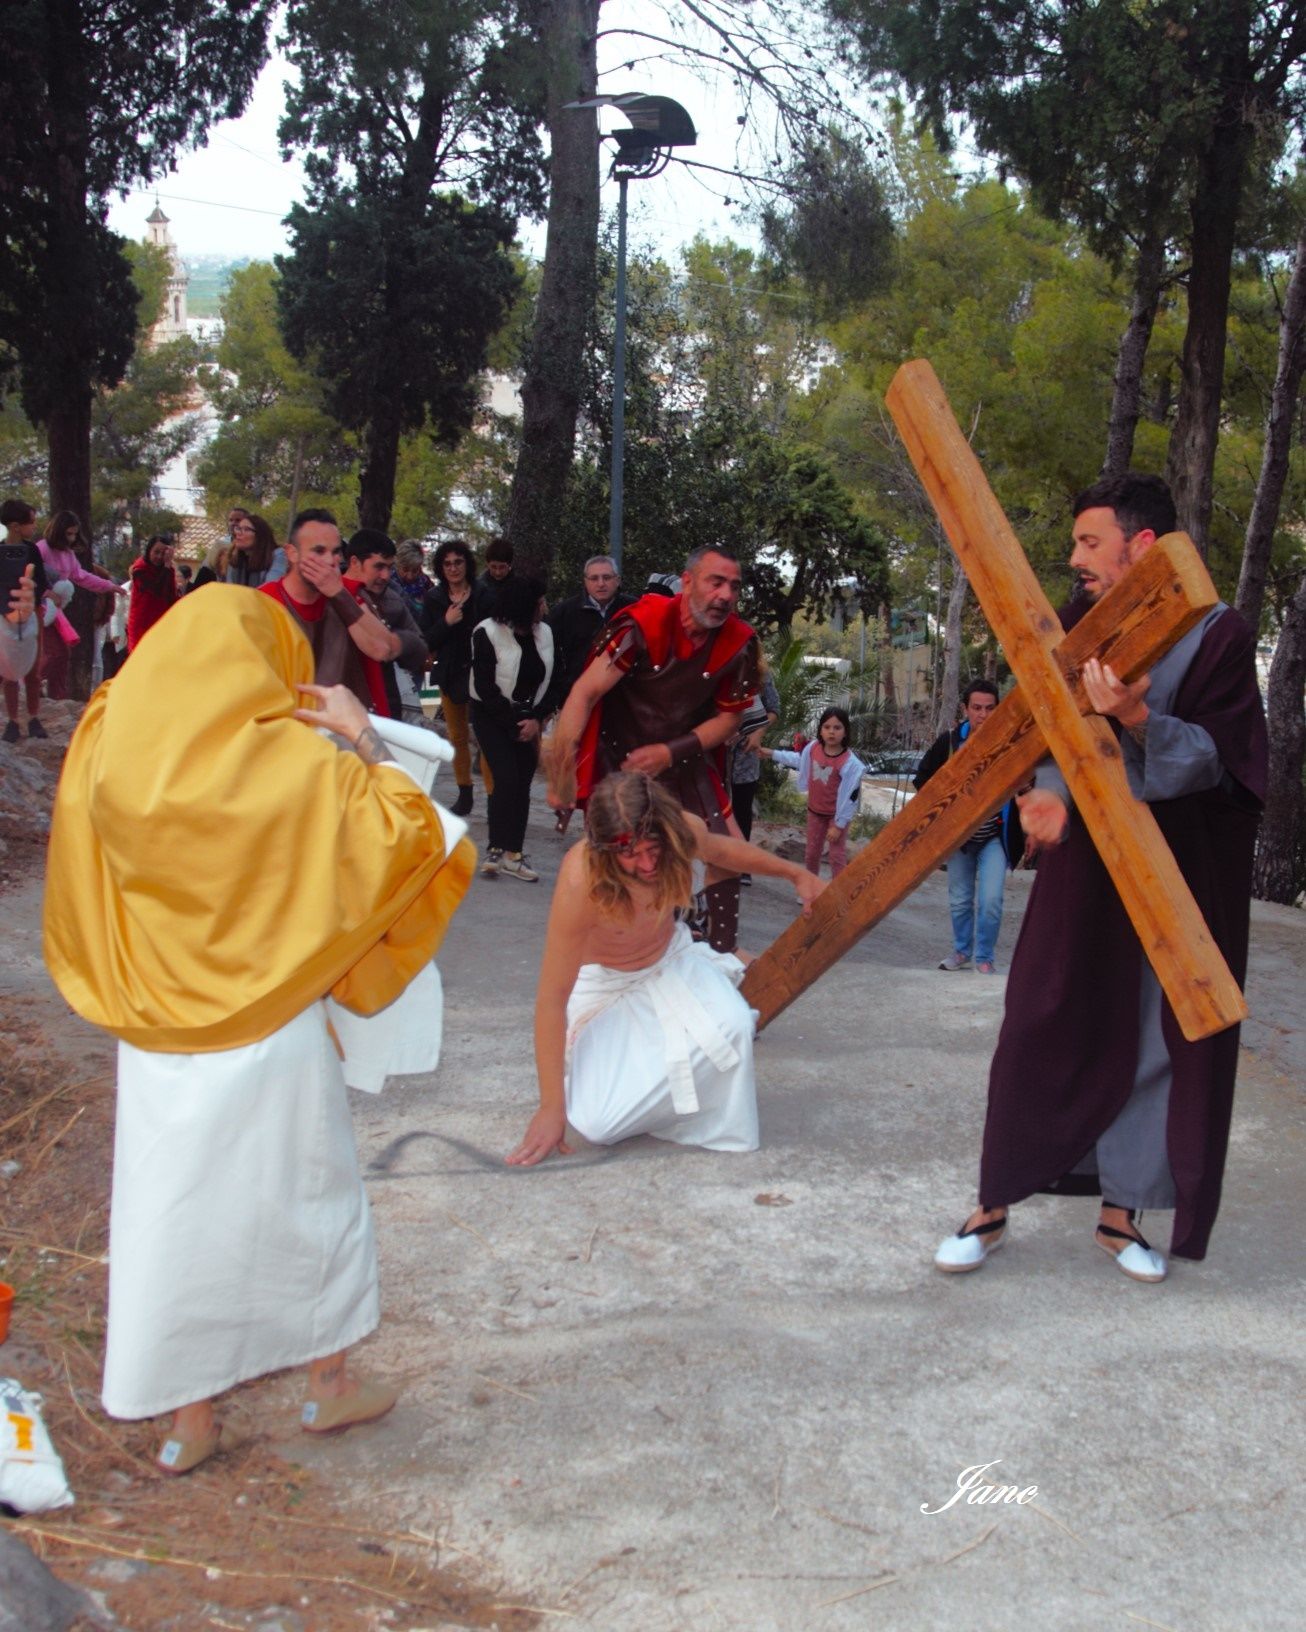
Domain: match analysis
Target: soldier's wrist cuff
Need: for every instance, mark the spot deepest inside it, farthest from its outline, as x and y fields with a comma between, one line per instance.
x=346, y=607
x=690, y=746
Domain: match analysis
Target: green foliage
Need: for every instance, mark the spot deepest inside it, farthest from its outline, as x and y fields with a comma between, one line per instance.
x=270, y=412
x=393, y=290
x=141, y=425
x=713, y=365
x=396, y=308
x=93, y=100
x=835, y=230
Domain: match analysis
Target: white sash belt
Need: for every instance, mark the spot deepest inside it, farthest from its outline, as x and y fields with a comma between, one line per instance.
x=683, y=1018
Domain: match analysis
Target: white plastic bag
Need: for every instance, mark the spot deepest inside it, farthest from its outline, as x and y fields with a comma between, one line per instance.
x=17, y=648
x=31, y=1474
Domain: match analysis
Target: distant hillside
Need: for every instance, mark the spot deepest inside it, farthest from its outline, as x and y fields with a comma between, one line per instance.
x=208, y=280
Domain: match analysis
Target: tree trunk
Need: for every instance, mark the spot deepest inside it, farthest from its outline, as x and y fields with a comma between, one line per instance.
x=886, y=658
x=950, y=687
x=71, y=363
x=376, y=479
x=1126, y=399
x=1216, y=200
x=551, y=386
x=1278, y=443
x=1280, y=870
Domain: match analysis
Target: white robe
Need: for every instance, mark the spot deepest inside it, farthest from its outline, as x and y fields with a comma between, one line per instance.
x=240, y=1238
x=666, y=1050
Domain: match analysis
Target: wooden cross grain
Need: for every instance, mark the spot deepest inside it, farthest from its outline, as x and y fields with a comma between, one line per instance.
x=1137, y=622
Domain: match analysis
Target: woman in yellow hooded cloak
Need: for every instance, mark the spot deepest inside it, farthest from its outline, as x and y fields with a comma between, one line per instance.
x=217, y=869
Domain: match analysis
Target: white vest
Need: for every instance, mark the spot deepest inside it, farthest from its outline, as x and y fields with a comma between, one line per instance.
x=507, y=657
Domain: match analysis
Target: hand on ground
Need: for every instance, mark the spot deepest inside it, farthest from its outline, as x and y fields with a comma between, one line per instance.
x=543, y=1137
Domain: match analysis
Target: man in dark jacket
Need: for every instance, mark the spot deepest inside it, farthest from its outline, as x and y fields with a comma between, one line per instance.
x=370, y=565
x=977, y=873
x=577, y=620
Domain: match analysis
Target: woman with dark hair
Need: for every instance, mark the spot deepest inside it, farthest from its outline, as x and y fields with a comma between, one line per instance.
x=253, y=544
x=154, y=588
x=450, y=612
x=514, y=690
x=64, y=535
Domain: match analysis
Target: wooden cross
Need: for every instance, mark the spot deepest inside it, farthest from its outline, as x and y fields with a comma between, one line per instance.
x=1137, y=622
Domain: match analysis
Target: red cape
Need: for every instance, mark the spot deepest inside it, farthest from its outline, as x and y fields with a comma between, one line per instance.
x=657, y=617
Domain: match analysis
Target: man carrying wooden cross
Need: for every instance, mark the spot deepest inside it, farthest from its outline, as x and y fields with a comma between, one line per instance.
x=1093, y=1089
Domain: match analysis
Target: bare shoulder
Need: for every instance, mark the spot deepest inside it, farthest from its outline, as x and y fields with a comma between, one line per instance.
x=699, y=828
x=572, y=871
x=572, y=891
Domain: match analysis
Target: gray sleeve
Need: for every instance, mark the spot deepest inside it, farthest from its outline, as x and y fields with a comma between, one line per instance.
x=1175, y=757
x=1047, y=775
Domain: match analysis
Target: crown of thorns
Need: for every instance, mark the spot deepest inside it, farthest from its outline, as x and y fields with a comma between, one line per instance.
x=621, y=844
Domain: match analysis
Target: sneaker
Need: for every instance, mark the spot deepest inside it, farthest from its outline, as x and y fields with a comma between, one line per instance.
x=954, y=961
x=745, y=878
x=492, y=863
x=35, y=728
x=12, y=733
x=986, y=966
x=515, y=866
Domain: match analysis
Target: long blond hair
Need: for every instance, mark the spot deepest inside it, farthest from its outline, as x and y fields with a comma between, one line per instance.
x=622, y=810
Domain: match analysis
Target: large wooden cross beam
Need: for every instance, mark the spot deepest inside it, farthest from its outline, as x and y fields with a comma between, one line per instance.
x=1136, y=623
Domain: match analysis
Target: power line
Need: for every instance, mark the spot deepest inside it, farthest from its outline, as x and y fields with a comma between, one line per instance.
x=209, y=203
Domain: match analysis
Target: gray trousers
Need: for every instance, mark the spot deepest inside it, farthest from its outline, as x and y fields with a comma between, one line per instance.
x=1130, y=1159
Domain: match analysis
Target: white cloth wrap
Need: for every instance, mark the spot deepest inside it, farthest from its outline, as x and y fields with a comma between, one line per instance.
x=403, y=1038
x=240, y=1237
x=17, y=648
x=666, y=1050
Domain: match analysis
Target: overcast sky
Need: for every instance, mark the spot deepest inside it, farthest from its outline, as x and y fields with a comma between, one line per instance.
x=229, y=198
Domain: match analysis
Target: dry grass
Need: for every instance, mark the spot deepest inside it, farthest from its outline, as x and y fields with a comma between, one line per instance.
x=247, y=1532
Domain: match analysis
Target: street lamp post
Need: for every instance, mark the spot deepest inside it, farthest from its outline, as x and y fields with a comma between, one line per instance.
x=657, y=124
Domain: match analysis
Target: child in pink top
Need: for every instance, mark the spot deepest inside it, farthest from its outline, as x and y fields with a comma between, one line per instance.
x=58, y=553
x=830, y=774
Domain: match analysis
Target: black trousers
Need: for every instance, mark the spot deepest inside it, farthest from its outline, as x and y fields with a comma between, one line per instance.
x=742, y=795
x=512, y=764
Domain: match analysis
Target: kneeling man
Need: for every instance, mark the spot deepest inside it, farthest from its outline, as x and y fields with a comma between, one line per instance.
x=639, y=1028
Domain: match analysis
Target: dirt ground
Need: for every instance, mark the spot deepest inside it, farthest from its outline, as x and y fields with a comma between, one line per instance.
x=270, y=1537
x=259, y=1541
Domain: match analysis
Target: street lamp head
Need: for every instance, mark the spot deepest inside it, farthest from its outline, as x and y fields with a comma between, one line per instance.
x=657, y=124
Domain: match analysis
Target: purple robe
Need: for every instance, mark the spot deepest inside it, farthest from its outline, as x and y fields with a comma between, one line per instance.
x=1065, y=1062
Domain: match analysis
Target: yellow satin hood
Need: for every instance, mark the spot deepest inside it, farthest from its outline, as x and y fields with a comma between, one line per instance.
x=217, y=865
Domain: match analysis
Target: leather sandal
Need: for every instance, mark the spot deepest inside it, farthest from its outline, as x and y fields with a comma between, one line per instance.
x=178, y=1456
x=969, y=1248
x=365, y=1402
x=1139, y=1260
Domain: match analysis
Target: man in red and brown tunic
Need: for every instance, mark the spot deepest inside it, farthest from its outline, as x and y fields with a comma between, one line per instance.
x=663, y=693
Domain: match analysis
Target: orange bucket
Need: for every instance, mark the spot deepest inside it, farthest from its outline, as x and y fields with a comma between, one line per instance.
x=6, y=1304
